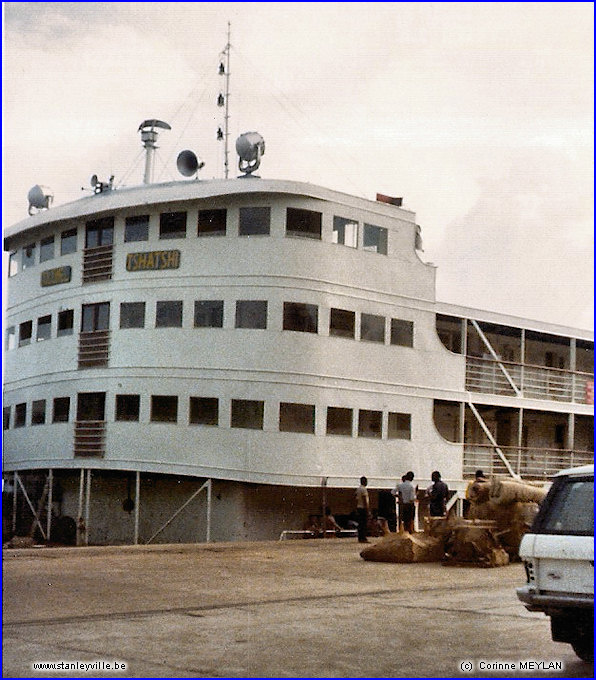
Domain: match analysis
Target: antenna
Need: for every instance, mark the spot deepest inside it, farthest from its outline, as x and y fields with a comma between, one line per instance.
x=224, y=100
x=149, y=137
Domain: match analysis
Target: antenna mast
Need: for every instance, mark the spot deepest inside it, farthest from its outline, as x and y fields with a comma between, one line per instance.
x=224, y=100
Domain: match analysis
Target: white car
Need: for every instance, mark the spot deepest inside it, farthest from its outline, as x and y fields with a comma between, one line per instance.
x=558, y=554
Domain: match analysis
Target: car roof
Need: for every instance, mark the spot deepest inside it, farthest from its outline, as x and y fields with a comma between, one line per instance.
x=583, y=470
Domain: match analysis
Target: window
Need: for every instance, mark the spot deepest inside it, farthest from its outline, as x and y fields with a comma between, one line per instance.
x=61, y=410
x=300, y=317
x=399, y=426
x=44, y=327
x=128, y=406
x=172, y=225
x=100, y=232
x=46, y=249
x=204, y=411
x=132, y=315
x=296, y=418
x=95, y=317
x=304, y=223
x=211, y=223
x=38, y=412
x=136, y=228
x=375, y=239
x=13, y=264
x=402, y=333
x=568, y=508
x=209, y=313
x=345, y=232
x=372, y=328
x=11, y=338
x=68, y=242
x=91, y=406
x=254, y=221
x=164, y=409
x=247, y=414
x=25, y=332
x=339, y=421
x=369, y=423
x=6, y=418
x=20, y=415
x=342, y=323
x=251, y=314
x=169, y=314
x=65, y=322
x=28, y=259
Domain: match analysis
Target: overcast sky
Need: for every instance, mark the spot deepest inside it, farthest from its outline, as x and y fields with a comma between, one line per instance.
x=478, y=114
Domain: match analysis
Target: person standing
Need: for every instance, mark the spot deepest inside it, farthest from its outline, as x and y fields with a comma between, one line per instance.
x=363, y=509
x=406, y=494
x=438, y=493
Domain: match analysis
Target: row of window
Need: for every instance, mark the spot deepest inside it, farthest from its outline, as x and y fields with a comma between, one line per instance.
x=297, y=316
x=244, y=413
x=253, y=221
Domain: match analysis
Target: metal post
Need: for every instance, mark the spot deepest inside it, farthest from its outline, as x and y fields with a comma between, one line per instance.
x=210, y=482
x=137, y=506
x=87, y=504
x=14, y=504
x=570, y=443
x=324, y=516
x=520, y=426
x=227, y=115
x=523, y=360
x=80, y=513
x=50, y=502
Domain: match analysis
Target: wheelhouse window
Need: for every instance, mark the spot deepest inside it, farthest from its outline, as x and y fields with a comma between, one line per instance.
x=209, y=313
x=375, y=239
x=132, y=315
x=296, y=418
x=342, y=323
x=95, y=317
x=247, y=414
x=172, y=225
x=11, y=338
x=61, y=411
x=339, y=421
x=168, y=314
x=91, y=406
x=300, y=317
x=164, y=409
x=251, y=314
x=212, y=222
x=99, y=232
x=204, y=411
x=136, y=228
x=38, y=412
x=44, y=327
x=128, y=407
x=369, y=423
x=399, y=426
x=20, y=415
x=25, y=333
x=345, y=232
x=13, y=264
x=254, y=221
x=65, y=322
x=46, y=249
x=68, y=242
x=402, y=333
x=28, y=256
x=372, y=328
x=303, y=223
x=6, y=418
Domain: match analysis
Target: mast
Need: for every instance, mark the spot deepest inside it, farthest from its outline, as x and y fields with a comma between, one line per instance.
x=224, y=100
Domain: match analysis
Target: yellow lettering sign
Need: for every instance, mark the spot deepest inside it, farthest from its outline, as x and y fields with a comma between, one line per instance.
x=153, y=260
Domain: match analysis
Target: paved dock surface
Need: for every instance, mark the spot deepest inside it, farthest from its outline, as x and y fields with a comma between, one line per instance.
x=299, y=608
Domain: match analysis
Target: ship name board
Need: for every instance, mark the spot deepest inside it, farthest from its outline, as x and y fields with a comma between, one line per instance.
x=52, y=277
x=153, y=260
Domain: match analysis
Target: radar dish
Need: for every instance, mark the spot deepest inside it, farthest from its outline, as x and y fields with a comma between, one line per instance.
x=188, y=164
x=250, y=146
x=153, y=123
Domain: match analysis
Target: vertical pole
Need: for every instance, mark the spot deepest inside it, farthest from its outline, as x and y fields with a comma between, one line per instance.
x=523, y=360
x=137, y=506
x=80, y=514
x=14, y=503
x=50, y=502
x=324, y=501
x=87, y=504
x=520, y=427
x=573, y=366
x=227, y=115
x=209, y=483
x=571, y=437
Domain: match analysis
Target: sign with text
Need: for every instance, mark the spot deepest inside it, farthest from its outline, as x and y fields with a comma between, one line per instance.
x=153, y=260
x=52, y=277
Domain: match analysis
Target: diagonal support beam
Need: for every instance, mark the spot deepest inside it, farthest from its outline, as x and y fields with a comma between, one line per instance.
x=496, y=357
x=30, y=504
x=493, y=441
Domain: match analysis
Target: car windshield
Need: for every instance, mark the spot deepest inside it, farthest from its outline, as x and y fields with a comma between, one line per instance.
x=569, y=508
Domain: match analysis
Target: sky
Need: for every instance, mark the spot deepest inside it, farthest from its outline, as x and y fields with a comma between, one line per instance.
x=480, y=115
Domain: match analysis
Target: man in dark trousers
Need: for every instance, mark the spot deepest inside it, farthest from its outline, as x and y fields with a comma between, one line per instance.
x=439, y=494
x=363, y=509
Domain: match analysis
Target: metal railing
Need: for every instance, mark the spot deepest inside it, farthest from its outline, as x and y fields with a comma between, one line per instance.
x=536, y=382
x=529, y=463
